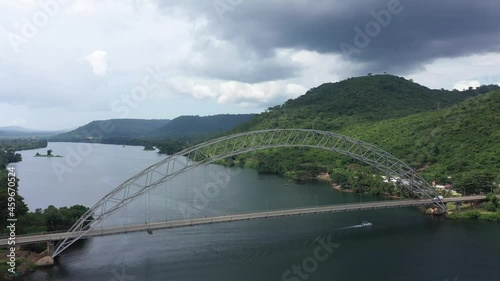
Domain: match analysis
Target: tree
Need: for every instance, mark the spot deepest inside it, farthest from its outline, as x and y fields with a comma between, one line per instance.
x=474, y=182
x=11, y=156
x=491, y=207
x=149, y=147
x=63, y=218
x=493, y=202
x=53, y=218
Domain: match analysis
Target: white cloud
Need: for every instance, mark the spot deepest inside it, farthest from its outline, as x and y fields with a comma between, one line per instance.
x=451, y=73
x=237, y=93
x=98, y=60
x=19, y=4
x=464, y=85
x=202, y=91
x=83, y=7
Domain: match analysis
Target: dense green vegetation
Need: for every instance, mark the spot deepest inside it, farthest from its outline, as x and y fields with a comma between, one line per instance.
x=397, y=115
x=460, y=141
x=50, y=219
x=476, y=215
x=18, y=144
x=489, y=210
x=172, y=146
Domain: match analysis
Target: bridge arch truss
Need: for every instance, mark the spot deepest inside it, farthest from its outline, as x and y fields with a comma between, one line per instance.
x=227, y=146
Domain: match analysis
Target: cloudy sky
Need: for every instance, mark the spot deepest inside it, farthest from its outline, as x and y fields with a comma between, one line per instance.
x=64, y=63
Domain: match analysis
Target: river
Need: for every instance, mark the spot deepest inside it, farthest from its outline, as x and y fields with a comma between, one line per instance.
x=403, y=244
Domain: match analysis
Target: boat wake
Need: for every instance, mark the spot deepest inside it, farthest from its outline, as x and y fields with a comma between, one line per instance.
x=364, y=224
x=349, y=227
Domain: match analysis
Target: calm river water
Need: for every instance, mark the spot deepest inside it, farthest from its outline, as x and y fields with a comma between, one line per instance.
x=403, y=244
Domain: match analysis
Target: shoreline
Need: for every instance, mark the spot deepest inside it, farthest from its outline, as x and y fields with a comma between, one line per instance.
x=326, y=177
x=25, y=264
x=478, y=214
x=339, y=188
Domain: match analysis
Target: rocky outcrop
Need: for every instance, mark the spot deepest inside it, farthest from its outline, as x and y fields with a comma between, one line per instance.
x=45, y=261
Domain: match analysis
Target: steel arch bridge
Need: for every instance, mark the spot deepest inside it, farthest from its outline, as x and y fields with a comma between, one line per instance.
x=223, y=147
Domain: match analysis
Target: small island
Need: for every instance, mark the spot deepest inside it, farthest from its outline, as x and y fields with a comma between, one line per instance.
x=49, y=154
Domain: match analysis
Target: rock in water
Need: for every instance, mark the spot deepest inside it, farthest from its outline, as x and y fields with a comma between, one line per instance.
x=45, y=261
x=430, y=211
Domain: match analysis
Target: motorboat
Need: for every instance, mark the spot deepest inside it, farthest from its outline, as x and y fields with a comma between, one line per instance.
x=366, y=223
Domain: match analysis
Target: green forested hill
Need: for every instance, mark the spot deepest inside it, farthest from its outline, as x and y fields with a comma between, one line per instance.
x=196, y=126
x=333, y=106
x=114, y=128
x=459, y=140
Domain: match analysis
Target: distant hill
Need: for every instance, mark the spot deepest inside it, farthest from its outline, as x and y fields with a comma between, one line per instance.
x=139, y=131
x=16, y=131
x=196, y=126
x=114, y=128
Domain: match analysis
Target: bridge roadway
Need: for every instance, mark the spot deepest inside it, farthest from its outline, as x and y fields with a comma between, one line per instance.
x=31, y=239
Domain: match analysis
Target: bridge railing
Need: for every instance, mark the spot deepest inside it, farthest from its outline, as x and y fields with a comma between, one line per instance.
x=35, y=234
x=224, y=213
x=277, y=212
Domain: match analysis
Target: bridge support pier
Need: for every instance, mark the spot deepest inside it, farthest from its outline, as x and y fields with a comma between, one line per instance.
x=47, y=259
x=50, y=248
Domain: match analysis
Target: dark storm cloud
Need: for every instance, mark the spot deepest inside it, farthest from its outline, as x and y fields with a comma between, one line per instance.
x=419, y=32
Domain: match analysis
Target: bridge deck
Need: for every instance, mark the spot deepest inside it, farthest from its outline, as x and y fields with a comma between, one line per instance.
x=238, y=217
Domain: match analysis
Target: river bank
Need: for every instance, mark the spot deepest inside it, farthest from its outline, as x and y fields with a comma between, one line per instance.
x=465, y=213
x=326, y=177
x=472, y=212
x=475, y=215
x=25, y=264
